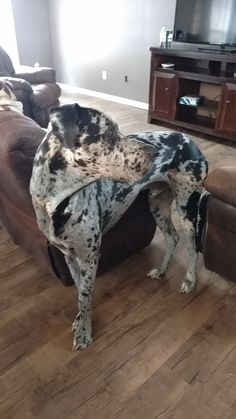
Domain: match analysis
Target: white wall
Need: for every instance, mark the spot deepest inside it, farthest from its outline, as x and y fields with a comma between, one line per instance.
x=32, y=31
x=7, y=31
x=89, y=36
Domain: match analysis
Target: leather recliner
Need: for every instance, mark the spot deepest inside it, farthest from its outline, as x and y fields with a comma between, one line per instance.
x=219, y=236
x=35, y=87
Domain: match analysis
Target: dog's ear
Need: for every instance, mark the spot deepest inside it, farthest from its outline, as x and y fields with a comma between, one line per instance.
x=64, y=120
x=73, y=107
x=76, y=107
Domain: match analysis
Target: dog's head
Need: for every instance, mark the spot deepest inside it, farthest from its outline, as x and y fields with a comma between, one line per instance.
x=6, y=91
x=101, y=150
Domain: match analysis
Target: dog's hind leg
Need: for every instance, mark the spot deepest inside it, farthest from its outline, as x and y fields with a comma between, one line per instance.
x=188, y=193
x=83, y=270
x=160, y=207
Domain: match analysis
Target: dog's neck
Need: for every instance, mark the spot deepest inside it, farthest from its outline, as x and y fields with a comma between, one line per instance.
x=56, y=174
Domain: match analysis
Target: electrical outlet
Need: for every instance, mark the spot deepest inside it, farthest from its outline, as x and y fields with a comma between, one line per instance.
x=126, y=79
x=104, y=74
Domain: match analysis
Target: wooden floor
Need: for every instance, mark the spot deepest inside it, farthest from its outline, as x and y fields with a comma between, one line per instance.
x=156, y=353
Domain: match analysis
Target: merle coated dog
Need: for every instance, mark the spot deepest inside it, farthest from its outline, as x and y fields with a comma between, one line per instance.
x=85, y=176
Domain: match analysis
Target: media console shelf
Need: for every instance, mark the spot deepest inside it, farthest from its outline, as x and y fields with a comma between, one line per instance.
x=194, y=73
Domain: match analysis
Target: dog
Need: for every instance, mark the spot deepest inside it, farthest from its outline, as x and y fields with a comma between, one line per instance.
x=8, y=101
x=85, y=176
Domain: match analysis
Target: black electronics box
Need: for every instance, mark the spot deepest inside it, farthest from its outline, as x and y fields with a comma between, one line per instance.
x=191, y=100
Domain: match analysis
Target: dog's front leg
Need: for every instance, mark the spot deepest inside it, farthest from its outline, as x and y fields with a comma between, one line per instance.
x=83, y=271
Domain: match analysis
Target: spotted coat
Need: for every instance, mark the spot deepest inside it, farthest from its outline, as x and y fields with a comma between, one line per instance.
x=86, y=174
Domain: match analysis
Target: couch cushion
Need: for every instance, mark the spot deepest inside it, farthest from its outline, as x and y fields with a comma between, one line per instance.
x=19, y=139
x=221, y=182
x=221, y=214
x=19, y=84
x=220, y=238
x=45, y=94
x=36, y=75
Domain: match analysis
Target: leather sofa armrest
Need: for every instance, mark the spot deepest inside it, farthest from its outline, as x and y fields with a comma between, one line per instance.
x=221, y=183
x=19, y=84
x=20, y=136
x=36, y=75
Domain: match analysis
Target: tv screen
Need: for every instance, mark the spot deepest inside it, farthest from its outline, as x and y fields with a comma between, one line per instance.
x=205, y=22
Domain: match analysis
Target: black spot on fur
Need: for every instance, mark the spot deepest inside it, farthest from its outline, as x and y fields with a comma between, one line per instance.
x=106, y=218
x=99, y=191
x=202, y=211
x=120, y=196
x=96, y=236
x=81, y=163
x=60, y=218
x=39, y=160
x=90, y=139
x=57, y=162
x=114, y=190
x=191, y=208
x=84, y=117
x=172, y=139
x=195, y=168
x=164, y=168
x=138, y=166
x=93, y=129
x=84, y=294
x=79, y=219
x=180, y=155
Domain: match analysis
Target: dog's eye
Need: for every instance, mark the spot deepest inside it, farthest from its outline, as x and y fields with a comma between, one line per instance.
x=81, y=129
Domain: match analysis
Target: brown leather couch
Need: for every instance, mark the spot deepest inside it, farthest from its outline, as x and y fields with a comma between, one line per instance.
x=19, y=139
x=35, y=87
x=219, y=237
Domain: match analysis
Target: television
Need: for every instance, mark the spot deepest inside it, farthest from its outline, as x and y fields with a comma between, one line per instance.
x=211, y=22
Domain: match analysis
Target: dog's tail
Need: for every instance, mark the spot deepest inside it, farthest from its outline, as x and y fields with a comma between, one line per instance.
x=201, y=219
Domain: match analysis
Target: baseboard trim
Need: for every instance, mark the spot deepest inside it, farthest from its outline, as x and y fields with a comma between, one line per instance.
x=106, y=96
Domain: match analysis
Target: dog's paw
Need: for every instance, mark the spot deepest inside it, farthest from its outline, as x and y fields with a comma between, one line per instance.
x=157, y=273
x=82, y=339
x=82, y=332
x=187, y=286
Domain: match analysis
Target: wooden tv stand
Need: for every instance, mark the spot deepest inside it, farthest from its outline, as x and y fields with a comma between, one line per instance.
x=192, y=73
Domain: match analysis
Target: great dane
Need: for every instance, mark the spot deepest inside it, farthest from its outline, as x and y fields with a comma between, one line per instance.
x=85, y=176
